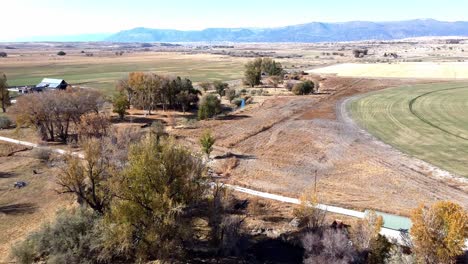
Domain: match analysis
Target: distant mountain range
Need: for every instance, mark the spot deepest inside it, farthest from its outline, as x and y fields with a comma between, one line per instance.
x=311, y=32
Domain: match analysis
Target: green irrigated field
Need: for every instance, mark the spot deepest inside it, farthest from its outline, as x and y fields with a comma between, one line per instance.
x=429, y=122
x=103, y=72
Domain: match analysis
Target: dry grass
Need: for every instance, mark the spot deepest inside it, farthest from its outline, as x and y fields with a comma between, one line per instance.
x=24, y=210
x=353, y=171
x=228, y=165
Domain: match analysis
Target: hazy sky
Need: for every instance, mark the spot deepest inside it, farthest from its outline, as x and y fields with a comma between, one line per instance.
x=26, y=18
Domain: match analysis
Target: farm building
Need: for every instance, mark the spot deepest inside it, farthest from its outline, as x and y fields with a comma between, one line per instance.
x=52, y=84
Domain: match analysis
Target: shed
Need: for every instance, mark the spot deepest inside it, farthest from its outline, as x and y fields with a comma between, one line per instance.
x=48, y=83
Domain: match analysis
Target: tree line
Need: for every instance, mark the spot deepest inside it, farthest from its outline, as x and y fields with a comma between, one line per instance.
x=148, y=91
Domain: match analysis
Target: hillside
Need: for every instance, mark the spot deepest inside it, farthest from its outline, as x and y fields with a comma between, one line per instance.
x=311, y=32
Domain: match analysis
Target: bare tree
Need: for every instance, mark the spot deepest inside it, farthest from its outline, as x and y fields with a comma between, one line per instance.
x=87, y=178
x=56, y=113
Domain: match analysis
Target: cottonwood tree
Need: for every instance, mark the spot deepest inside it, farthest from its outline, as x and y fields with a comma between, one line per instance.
x=4, y=93
x=271, y=67
x=56, y=113
x=145, y=88
x=87, y=178
x=254, y=69
x=253, y=72
x=93, y=125
x=148, y=90
x=153, y=193
x=439, y=232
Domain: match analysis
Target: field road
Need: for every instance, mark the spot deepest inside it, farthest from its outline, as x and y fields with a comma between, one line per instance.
x=389, y=233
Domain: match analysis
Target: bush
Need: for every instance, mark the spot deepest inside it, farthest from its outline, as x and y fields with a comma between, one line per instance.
x=220, y=87
x=61, y=53
x=231, y=94
x=72, y=238
x=42, y=154
x=330, y=246
x=5, y=122
x=209, y=106
x=3, y=54
x=237, y=102
x=120, y=105
x=303, y=88
x=289, y=86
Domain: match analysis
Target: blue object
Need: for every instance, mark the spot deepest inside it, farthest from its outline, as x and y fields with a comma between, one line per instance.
x=243, y=103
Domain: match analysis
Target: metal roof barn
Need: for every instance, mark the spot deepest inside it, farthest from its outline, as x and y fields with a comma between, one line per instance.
x=52, y=84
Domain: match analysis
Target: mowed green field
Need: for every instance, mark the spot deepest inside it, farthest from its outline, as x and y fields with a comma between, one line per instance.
x=102, y=73
x=429, y=122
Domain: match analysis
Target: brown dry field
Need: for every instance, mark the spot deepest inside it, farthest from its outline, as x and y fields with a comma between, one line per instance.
x=285, y=139
x=26, y=209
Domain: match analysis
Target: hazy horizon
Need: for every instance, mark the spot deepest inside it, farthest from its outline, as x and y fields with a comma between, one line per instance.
x=59, y=18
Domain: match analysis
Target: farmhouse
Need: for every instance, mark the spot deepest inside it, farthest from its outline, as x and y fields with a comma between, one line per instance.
x=51, y=84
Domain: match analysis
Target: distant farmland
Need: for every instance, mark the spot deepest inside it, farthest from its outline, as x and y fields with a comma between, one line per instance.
x=102, y=72
x=429, y=122
x=433, y=70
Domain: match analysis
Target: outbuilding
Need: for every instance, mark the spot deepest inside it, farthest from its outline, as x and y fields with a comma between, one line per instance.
x=48, y=83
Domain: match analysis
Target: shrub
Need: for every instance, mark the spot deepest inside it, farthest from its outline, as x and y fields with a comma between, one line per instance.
x=220, y=87
x=289, y=85
x=209, y=106
x=231, y=94
x=310, y=217
x=303, y=88
x=330, y=246
x=359, y=53
x=61, y=53
x=120, y=103
x=5, y=122
x=206, y=86
x=71, y=238
x=3, y=54
x=42, y=154
x=257, y=206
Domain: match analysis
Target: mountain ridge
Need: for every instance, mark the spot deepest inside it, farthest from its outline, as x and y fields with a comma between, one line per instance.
x=308, y=32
